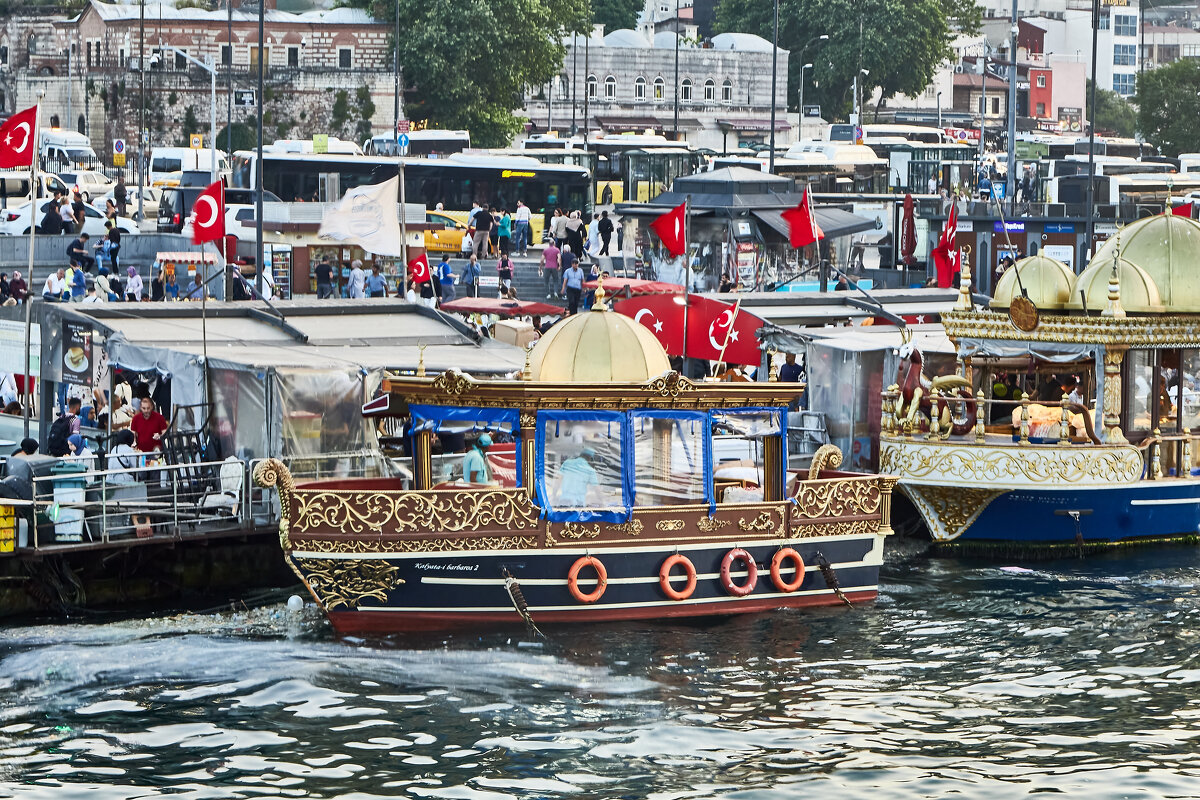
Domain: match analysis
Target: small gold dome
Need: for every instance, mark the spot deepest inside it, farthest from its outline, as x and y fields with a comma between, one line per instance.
x=598, y=347
x=1138, y=290
x=1167, y=248
x=1047, y=281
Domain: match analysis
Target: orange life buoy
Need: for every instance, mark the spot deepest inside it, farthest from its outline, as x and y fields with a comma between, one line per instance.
x=664, y=577
x=739, y=554
x=787, y=554
x=601, y=579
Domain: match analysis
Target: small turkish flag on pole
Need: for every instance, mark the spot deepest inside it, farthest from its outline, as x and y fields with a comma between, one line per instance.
x=1184, y=210
x=208, y=215
x=672, y=230
x=420, y=270
x=19, y=139
x=803, y=229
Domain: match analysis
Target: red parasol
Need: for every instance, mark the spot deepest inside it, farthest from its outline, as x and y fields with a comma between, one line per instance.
x=908, y=233
x=500, y=307
x=636, y=286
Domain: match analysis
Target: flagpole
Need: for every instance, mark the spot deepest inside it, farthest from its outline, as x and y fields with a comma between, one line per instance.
x=403, y=232
x=687, y=276
x=33, y=207
x=737, y=306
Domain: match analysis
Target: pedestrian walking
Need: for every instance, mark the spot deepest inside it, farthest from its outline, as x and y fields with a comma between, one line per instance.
x=558, y=228
x=572, y=283
x=324, y=273
x=121, y=195
x=592, y=246
x=78, y=214
x=446, y=278
x=573, y=231
x=504, y=231
x=605, y=227
x=550, y=270
x=483, y=230
x=358, y=279
x=521, y=229
x=470, y=277
x=505, y=269
x=376, y=284
x=66, y=216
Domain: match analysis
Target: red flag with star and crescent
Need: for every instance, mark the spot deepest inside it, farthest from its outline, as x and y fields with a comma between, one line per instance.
x=420, y=270
x=208, y=215
x=18, y=139
x=672, y=230
x=662, y=314
x=947, y=258
x=803, y=229
x=714, y=326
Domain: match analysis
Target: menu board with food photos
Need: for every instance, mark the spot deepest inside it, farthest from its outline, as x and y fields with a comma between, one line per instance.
x=77, y=353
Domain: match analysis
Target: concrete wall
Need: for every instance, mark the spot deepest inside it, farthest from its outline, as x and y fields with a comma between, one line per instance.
x=51, y=252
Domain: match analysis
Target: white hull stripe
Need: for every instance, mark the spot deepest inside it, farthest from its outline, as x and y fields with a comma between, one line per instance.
x=1167, y=501
x=533, y=610
x=676, y=577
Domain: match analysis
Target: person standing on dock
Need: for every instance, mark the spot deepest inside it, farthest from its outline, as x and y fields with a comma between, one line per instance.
x=572, y=282
x=148, y=427
x=521, y=229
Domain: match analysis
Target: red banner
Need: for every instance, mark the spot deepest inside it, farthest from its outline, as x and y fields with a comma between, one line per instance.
x=711, y=327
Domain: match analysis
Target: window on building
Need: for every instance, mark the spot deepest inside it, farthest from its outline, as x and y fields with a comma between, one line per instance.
x=3, y=54
x=1124, y=83
x=180, y=60
x=253, y=50
x=727, y=91
x=1103, y=22
x=1167, y=54
x=610, y=88
x=1041, y=81
x=1124, y=25
x=1040, y=110
x=293, y=56
x=995, y=106
x=639, y=89
x=226, y=55
x=345, y=58
x=88, y=52
x=1124, y=55
x=660, y=88
x=1191, y=51
x=593, y=86
x=685, y=89
x=710, y=91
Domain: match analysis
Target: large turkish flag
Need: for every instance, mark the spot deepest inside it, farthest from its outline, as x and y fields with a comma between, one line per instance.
x=713, y=325
x=661, y=313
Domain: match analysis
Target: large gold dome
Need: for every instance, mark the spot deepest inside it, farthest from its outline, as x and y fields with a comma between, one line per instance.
x=1138, y=290
x=1167, y=248
x=598, y=347
x=1047, y=281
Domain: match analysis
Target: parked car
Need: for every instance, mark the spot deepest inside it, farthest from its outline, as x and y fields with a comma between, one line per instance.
x=239, y=220
x=451, y=239
x=88, y=182
x=153, y=197
x=15, y=221
x=176, y=203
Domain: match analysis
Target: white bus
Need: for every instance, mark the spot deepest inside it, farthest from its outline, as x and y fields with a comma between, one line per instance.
x=427, y=142
x=1154, y=191
x=166, y=163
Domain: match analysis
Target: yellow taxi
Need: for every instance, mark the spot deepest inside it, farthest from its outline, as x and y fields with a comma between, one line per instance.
x=450, y=239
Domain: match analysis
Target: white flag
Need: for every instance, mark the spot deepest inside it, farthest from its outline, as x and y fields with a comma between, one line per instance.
x=367, y=216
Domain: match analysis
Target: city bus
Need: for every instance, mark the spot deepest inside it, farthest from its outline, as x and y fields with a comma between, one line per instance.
x=455, y=181
x=834, y=167
x=1113, y=146
x=1136, y=194
x=634, y=168
x=425, y=142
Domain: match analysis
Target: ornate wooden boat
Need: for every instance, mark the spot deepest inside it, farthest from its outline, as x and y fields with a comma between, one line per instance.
x=1124, y=336
x=616, y=490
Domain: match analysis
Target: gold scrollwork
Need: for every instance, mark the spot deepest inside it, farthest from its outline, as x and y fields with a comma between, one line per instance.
x=671, y=384
x=349, y=582
x=273, y=473
x=828, y=456
x=950, y=510
x=987, y=465
x=453, y=382
x=574, y=531
x=763, y=522
x=837, y=498
x=528, y=420
x=413, y=512
x=632, y=528
x=1134, y=331
x=710, y=524
x=847, y=527
x=669, y=524
x=359, y=546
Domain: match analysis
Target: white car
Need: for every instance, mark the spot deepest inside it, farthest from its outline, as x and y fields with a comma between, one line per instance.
x=88, y=183
x=239, y=221
x=153, y=196
x=15, y=221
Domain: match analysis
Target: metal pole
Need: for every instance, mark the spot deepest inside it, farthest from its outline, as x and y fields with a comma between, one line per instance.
x=1011, y=183
x=675, y=125
x=803, y=67
x=396, y=74
x=142, y=129
x=939, y=104
x=27, y=400
x=586, y=53
x=1089, y=209
x=575, y=79
x=212, y=126
x=404, y=232
x=229, y=80
x=774, y=78
x=258, y=163
x=70, y=125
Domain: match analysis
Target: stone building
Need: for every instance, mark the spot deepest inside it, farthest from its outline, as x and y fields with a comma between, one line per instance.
x=724, y=90
x=325, y=70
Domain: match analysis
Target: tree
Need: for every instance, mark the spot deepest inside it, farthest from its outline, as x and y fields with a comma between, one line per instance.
x=244, y=136
x=1113, y=112
x=616, y=14
x=875, y=35
x=466, y=63
x=1168, y=100
x=190, y=125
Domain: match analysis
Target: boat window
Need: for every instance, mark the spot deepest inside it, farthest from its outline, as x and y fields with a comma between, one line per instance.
x=457, y=438
x=580, y=457
x=672, y=458
x=739, y=452
x=1142, y=387
x=1189, y=385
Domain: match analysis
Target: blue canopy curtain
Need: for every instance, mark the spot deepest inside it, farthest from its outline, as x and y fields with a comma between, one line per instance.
x=549, y=423
x=507, y=420
x=705, y=456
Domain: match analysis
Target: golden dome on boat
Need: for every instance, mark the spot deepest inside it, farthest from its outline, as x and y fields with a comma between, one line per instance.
x=1138, y=289
x=1047, y=281
x=1167, y=248
x=598, y=346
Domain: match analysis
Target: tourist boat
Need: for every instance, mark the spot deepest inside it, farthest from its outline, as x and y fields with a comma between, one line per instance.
x=1023, y=462
x=617, y=490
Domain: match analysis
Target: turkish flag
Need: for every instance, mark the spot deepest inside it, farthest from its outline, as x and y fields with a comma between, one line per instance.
x=661, y=313
x=947, y=258
x=671, y=227
x=19, y=139
x=713, y=326
x=1184, y=210
x=803, y=229
x=420, y=270
x=208, y=215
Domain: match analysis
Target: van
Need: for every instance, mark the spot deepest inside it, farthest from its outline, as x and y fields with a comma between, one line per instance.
x=176, y=204
x=166, y=160
x=67, y=151
x=14, y=186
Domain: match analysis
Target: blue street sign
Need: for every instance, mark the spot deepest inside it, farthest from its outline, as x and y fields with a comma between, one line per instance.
x=402, y=140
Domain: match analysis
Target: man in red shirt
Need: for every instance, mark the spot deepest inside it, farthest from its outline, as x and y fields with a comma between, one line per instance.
x=148, y=427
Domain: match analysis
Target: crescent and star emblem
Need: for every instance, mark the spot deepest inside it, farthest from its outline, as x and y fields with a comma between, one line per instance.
x=724, y=320
x=657, y=326
x=212, y=205
x=24, y=126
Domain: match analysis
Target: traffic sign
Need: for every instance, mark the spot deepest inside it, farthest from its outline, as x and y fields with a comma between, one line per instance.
x=403, y=126
x=243, y=98
x=196, y=141
x=320, y=142
x=402, y=140
x=118, y=147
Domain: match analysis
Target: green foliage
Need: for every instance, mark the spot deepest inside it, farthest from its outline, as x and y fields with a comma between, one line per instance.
x=1113, y=112
x=616, y=14
x=190, y=125
x=367, y=108
x=172, y=98
x=1168, y=100
x=901, y=42
x=465, y=63
x=341, y=110
x=244, y=136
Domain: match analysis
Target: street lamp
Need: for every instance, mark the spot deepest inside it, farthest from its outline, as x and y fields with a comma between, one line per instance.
x=802, y=69
x=939, y=104
x=774, y=70
x=210, y=67
x=824, y=37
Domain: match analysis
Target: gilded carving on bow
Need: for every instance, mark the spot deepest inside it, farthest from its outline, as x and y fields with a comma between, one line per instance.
x=671, y=384
x=669, y=524
x=837, y=498
x=949, y=511
x=349, y=582
x=274, y=473
x=528, y=420
x=574, y=531
x=632, y=528
x=982, y=465
x=847, y=527
x=453, y=382
x=710, y=524
x=359, y=546
x=828, y=456
x=762, y=522
x=413, y=512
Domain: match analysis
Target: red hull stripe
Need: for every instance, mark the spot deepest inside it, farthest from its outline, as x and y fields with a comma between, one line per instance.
x=368, y=622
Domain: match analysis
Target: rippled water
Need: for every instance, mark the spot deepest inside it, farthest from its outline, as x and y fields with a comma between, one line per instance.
x=966, y=678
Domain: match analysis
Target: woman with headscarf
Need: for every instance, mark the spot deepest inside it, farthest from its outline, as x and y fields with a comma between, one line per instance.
x=133, y=289
x=124, y=456
x=17, y=288
x=104, y=287
x=3, y=286
x=78, y=450
x=573, y=230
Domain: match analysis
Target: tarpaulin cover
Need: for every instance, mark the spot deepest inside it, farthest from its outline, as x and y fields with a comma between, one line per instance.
x=581, y=469
x=507, y=420
x=681, y=443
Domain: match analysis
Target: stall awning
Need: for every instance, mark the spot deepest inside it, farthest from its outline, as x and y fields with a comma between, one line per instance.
x=753, y=124
x=834, y=221
x=628, y=123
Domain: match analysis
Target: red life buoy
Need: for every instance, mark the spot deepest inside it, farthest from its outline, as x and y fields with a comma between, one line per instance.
x=664, y=577
x=601, y=579
x=739, y=554
x=787, y=554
